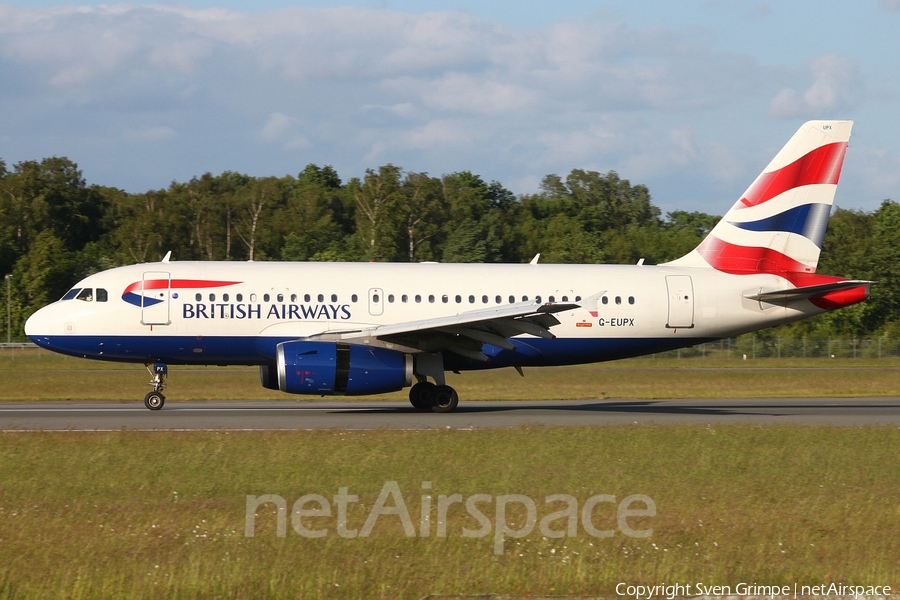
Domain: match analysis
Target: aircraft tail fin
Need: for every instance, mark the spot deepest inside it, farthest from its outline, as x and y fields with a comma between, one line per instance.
x=779, y=223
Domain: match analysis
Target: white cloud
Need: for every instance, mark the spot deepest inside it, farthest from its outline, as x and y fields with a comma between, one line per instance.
x=149, y=134
x=440, y=91
x=837, y=85
x=280, y=128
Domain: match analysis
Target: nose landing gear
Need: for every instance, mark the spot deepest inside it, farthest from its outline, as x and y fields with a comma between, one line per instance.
x=155, y=400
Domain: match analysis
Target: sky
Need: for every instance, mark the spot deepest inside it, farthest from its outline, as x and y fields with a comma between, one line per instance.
x=691, y=98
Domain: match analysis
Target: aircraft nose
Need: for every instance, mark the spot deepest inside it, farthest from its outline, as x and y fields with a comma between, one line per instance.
x=38, y=324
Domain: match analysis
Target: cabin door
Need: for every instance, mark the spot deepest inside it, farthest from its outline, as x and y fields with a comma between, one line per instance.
x=681, y=301
x=155, y=291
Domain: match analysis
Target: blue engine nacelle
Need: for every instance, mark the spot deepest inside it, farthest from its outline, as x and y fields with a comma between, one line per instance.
x=327, y=368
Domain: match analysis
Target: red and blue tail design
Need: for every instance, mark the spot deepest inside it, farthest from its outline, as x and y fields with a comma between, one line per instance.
x=778, y=225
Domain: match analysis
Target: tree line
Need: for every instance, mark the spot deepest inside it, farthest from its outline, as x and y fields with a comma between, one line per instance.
x=56, y=229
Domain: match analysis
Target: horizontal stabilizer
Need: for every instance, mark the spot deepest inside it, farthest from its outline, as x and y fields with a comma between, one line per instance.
x=807, y=292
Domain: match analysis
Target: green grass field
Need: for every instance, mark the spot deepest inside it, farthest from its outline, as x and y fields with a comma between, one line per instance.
x=163, y=514
x=144, y=515
x=31, y=375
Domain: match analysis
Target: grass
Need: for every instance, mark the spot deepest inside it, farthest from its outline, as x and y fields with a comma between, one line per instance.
x=33, y=375
x=162, y=514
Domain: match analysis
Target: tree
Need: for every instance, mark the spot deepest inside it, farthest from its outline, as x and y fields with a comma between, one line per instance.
x=254, y=202
x=883, y=257
x=375, y=196
x=313, y=218
x=423, y=210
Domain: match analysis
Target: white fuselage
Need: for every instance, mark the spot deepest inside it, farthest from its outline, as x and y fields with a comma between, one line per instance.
x=236, y=313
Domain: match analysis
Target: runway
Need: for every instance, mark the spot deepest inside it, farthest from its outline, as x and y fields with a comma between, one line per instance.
x=303, y=415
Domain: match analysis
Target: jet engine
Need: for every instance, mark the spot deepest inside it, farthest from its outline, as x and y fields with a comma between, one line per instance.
x=328, y=368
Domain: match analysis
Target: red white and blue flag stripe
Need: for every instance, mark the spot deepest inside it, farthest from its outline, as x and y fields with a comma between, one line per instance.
x=133, y=293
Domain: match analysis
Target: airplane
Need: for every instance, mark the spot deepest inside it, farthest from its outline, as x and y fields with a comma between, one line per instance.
x=370, y=328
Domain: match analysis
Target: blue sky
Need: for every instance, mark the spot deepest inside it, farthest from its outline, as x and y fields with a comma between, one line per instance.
x=690, y=98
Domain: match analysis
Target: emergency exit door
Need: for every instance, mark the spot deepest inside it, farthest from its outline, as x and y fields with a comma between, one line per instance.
x=376, y=302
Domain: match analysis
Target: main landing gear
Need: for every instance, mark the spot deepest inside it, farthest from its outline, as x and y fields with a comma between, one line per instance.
x=155, y=400
x=424, y=395
x=436, y=398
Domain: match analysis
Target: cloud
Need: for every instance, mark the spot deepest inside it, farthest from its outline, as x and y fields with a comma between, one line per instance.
x=280, y=128
x=149, y=134
x=837, y=84
x=436, y=91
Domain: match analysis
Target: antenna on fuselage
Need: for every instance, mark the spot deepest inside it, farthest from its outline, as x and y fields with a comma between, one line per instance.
x=167, y=256
x=534, y=260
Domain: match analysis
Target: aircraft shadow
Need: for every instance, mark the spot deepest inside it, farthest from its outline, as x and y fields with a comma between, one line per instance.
x=773, y=409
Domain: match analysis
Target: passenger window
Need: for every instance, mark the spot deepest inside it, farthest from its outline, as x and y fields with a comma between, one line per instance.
x=604, y=300
x=458, y=299
x=484, y=299
x=418, y=298
x=524, y=298
x=252, y=297
x=224, y=297
x=306, y=297
x=551, y=299
x=537, y=298
x=618, y=299
x=630, y=299
x=279, y=297
x=512, y=299
x=266, y=297
x=376, y=298
x=471, y=299
x=390, y=298
x=577, y=298
x=498, y=299
x=334, y=298
x=198, y=297
x=212, y=298
x=445, y=298
x=102, y=296
x=354, y=298
x=293, y=297
x=431, y=298
x=240, y=297
x=404, y=298
x=74, y=292
x=565, y=298
x=87, y=294
x=321, y=298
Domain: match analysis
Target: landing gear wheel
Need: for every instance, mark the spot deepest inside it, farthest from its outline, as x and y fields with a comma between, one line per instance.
x=419, y=393
x=444, y=399
x=154, y=400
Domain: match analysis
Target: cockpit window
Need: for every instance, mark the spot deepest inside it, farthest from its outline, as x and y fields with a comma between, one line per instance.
x=101, y=295
x=87, y=294
x=71, y=293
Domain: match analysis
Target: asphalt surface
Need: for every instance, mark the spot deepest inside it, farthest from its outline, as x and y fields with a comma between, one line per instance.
x=299, y=415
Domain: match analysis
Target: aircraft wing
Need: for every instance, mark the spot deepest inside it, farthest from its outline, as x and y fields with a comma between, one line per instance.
x=465, y=332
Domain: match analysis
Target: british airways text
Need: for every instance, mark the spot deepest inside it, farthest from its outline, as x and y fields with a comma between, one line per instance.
x=211, y=310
